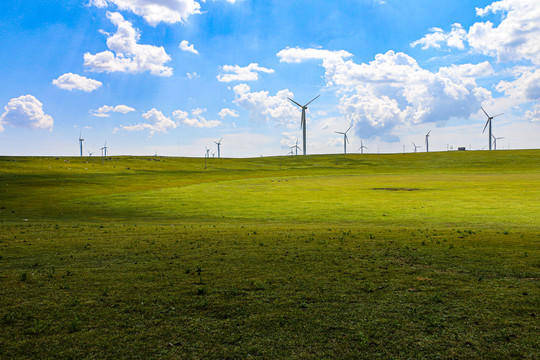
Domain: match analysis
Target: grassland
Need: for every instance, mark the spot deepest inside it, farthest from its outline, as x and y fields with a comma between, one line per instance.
x=360, y=256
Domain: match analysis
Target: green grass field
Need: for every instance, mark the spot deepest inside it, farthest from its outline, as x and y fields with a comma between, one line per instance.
x=361, y=256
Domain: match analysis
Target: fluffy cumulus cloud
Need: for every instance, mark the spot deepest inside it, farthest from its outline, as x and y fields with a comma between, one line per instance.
x=196, y=119
x=526, y=85
x=106, y=109
x=274, y=109
x=394, y=90
x=228, y=112
x=455, y=38
x=72, y=81
x=156, y=122
x=515, y=38
x=126, y=55
x=25, y=111
x=155, y=11
x=533, y=114
x=186, y=46
x=238, y=73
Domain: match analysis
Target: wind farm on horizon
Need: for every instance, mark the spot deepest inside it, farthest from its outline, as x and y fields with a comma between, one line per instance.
x=295, y=148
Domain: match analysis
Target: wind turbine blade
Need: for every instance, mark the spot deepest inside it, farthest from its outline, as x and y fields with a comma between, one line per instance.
x=312, y=100
x=295, y=102
x=428, y=132
x=339, y=132
x=347, y=138
x=348, y=129
x=497, y=115
x=484, y=111
x=485, y=126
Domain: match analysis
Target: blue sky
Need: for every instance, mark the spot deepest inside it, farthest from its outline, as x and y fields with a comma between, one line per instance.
x=173, y=76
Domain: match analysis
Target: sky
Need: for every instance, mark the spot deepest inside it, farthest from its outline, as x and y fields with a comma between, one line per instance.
x=173, y=77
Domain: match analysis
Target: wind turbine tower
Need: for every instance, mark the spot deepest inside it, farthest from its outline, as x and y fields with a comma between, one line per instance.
x=488, y=122
x=303, y=119
x=104, y=149
x=345, y=138
x=495, y=141
x=80, y=142
x=218, y=143
x=362, y=147
x=296, y=147
x=427, y=141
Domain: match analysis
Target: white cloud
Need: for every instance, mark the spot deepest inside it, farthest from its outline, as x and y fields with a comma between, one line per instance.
x=289, y=139
x=228, y=112
x=127, y=55
x=238, y=73
x=185, y=46
x=515, y=38
x=196, y=119
x=106, y=109
x=525, y=87
x=25, y=111
x=533, y=115
x=192, y=75
x=156, y=11
x=455, y=38
x=394, y=90
x=275, y=109
x=157, y=122
x=297, y=55
x=72, y=81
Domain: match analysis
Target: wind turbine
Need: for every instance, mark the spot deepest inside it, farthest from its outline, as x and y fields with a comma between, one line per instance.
x=80, y=141
x=303, y=119
x=427, y=141
x=415, y=146
x=104, y=149
x=362, y=147
x=218, y=143
x=345, y=138
x=207, y=152
x=495, y=141
x=489, y=122
x=296, y=147
x=89, y=153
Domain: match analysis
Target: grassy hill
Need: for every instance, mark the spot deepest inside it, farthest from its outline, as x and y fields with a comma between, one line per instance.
x=363, y=256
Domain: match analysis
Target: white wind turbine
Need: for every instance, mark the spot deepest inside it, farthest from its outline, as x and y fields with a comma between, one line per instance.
x=218, y=143
x=427, y=141
x=362, y=147
x=303, y=119
x=488, y=122
x=345, y=138
x=80, y=142
x=495, y=141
